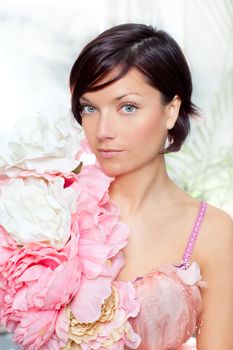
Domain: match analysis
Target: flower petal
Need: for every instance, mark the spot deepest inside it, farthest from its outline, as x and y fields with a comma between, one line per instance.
x=86, y=305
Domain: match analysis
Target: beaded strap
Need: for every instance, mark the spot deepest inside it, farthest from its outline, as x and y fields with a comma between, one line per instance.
x=193, y=237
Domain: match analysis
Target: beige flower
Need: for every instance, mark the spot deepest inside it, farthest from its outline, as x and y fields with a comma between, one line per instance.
x=112, y=330
x=83, y=332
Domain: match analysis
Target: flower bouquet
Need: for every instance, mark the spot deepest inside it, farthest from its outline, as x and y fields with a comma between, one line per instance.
x=60, y=244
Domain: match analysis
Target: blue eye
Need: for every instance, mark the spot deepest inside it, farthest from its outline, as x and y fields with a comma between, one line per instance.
x=129, y=108
x=86, y=109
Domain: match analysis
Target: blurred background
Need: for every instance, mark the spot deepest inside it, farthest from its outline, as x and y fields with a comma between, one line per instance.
x=41, y=39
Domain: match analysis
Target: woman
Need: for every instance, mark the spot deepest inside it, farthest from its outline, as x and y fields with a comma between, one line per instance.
x=131, y=91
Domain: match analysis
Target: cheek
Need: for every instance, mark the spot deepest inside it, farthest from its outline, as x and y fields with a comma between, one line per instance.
x=152, y=132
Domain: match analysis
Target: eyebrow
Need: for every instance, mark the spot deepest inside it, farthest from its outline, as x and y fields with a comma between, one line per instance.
x=115, y=99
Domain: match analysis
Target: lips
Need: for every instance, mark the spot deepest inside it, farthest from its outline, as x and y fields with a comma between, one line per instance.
x=109, y=150
x=109, y=153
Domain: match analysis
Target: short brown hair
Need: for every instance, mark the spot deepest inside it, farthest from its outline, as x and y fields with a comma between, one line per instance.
x=154, y=53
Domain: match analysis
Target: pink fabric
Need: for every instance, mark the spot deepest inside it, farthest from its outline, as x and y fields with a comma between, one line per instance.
x=169, y=307
x=170, y=301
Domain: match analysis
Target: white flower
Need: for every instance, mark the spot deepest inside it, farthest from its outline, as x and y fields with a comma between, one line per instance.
x=191, y=275
x=41, y=144
x=37, y=210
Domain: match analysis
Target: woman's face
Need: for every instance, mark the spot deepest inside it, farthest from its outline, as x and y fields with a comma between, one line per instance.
x=126, y=123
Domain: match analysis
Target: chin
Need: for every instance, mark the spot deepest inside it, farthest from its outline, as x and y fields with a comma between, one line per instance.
x=112, y=170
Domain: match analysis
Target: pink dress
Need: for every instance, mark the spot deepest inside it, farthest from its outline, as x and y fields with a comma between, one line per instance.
x=170, y=300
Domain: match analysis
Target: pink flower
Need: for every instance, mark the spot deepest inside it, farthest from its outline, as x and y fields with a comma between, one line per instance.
x=40, y=277
x=44, y=330
x=38, y=280
x=99, y=217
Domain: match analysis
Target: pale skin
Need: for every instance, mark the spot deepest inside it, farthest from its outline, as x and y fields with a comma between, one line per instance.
x=129, y=116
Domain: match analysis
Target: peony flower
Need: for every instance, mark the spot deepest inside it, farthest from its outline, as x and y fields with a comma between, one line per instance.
x=36, y=210
x=99, y=223
x=41, y=277
x=36, y=281
x=44, y=330
x=112, y=329
x=60, y=245
x=41, y=144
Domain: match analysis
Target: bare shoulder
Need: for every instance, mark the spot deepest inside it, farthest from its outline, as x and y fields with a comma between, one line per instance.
x=215, y=242
x=215, y=257
x=218, y=224
x=218, y=218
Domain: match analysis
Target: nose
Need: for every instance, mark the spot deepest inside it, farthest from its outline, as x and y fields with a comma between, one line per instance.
x=106, y=127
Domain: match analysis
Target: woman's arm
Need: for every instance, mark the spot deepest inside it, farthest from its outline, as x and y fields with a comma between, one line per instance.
x=216, y=255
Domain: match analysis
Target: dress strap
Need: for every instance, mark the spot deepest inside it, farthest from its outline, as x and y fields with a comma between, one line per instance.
x=193, y=237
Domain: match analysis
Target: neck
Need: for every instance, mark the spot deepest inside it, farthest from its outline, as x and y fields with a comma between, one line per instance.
x=131, y=191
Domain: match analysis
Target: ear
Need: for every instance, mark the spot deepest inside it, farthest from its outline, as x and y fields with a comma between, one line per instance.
x=172, y=112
